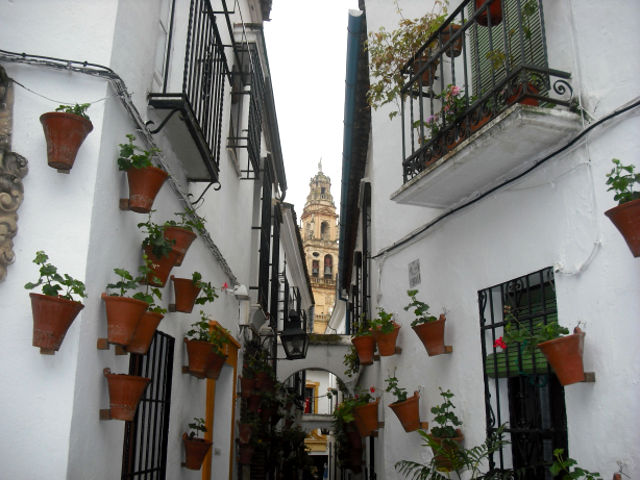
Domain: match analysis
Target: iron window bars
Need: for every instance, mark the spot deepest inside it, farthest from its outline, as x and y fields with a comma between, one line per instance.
x=497, y=66
x=520, y=388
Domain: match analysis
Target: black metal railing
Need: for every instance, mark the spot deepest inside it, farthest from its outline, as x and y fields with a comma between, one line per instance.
x=204, y=76
x=145, y=439
x=475, y=66
x=255, y=109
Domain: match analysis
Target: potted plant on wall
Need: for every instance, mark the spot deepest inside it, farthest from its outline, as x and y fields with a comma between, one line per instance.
x=385, y=331
x=64, y=131
x=445, y=438
x=186, y=291
x=145, y=179
x=563, y=351
x=389, y=52
x=626, y=216
x=183, y=231
x=429, y=329
x=365, y=412
x=159, y=249
x=348, y=441
x=53, y=310
x=205, y=349
x=125, y=393
x=364, y=342
x=195, y=448
x=406, y=409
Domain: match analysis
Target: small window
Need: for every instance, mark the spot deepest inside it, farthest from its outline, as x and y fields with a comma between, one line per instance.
x=328, y=266
x=315, y=268
x=324, y=231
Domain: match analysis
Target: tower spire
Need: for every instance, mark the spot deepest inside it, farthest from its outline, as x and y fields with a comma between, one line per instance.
x=320, y=165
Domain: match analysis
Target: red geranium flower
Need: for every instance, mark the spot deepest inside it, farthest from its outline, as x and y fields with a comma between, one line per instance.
x=500, y=343
x=372, y=389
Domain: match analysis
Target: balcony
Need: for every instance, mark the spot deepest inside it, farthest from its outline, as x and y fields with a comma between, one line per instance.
x=195, y=92
x=480, y=103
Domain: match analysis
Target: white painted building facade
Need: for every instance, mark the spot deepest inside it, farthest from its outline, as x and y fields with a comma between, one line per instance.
x=466, y=238
x=52, y=403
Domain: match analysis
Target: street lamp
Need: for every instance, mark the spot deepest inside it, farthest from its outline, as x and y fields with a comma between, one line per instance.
x=295, y=340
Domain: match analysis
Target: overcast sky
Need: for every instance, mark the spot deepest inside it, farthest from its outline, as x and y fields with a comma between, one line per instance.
x=306, y=45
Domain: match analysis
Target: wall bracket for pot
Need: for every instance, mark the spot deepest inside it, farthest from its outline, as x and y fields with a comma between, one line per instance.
x=172, y=307
x=124, y=204
x=104, y=344
x=589, y=377
x=105, y=414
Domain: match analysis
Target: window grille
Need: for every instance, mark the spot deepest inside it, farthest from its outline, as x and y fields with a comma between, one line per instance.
x=265, y=240
x=144, y=453
x=275, y=265
x=521, y=388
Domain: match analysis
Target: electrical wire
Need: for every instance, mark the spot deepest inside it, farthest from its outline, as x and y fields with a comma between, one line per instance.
x=619, y=111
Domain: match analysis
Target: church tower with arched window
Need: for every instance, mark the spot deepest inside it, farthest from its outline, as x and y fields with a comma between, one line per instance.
x=319, y=231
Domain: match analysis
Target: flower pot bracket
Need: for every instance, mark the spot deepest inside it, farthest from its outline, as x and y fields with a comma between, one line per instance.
x=104, y=344
x=376, y=357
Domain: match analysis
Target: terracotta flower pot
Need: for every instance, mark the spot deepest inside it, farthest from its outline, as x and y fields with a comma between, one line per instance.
x=160, y=267
x=244, y=432
x=477, y=124
x=203, y=360
x=565, y=356
x=530, y=89
x=253, y=402
x=64, y=133
x=264, y=381
x=52, y=317
x=245, y=454
x=365, y=346
x=143, y=335
x=447, y=447
x=455, y=49
x=366, y=418
x=247, y=386
x=183, y=239
x=432, y=335
x=387, y=341
x=144, y=184
x=185, y=293
x=123, y=316
x=195, y=451
x=626, y=218
x=493, y=12
x=408, y=412
x=125, y=392
x=428, y=75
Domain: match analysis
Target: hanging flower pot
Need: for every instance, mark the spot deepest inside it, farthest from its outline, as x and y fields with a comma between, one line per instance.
x=160, y=267
x=408, y=412
x=428, y=75
x=253, y=402
x=64, y=134
x=125, y=392
x=52, y=317
x=185, y=292
x=143, y=335
x=521, y=91
x=195, y=451
x=565, y=356
x=247, y=386
x=264, y=381
x=447, y=447
x=493, y=13
x=204, y=362
x=245, y=454
x=432, y=335
x=455, y=49
x=366, y=418
x=626, y=218
x=144, y=185
x=123, y=316
x=365, y=346
x=244, y=432
x=387, y=341
x=182, y=239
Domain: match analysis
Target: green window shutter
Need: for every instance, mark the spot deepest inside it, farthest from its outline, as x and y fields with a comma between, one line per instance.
x=516, y=45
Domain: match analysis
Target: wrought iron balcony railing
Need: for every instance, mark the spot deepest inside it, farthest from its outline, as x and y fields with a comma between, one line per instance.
x=199, y=99
x=487, y=56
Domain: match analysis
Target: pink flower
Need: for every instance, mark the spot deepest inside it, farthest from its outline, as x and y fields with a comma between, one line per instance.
x=500, y=343
x=225, y=286
x=455, y=90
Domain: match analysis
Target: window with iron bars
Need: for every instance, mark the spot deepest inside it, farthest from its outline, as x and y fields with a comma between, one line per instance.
x=520, y=388
x=265, y=241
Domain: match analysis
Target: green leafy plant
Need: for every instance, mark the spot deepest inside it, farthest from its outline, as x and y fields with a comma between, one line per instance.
x=128, y=282
x=155, y=239
x=53, y=283
x=383, y=323
x=197, y=426
x=399, y=392
x=351, y=362
x=133, y=156
x=445, y=417
x=562, y=466
x=361, y=328
x=529, y=338
x=207, y=291
x=420, y=309
x=460, y=459
x=201, y=331
x=621, y=180
x=389, y=51
x=77, y=109
x=189, y=220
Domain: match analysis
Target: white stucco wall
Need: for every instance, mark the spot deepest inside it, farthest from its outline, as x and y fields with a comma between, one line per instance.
x=551, y=217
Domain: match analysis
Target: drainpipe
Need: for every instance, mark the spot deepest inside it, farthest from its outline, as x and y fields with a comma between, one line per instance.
x=353, y=52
